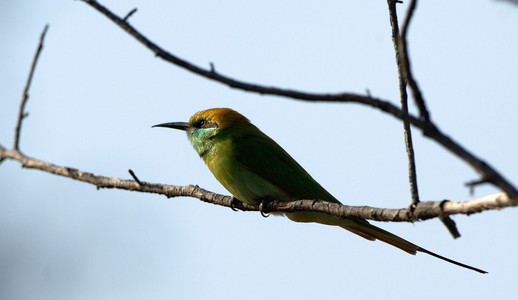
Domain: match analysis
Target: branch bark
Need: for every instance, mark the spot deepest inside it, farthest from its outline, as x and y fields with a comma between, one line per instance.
x=425, y=210
x=396, y=37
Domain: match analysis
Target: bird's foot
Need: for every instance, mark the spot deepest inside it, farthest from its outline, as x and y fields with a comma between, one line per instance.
x=233, y=203
x=265, y=206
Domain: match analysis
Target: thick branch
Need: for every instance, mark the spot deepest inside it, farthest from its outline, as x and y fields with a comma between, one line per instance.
x=488, y=173
x=423, y=211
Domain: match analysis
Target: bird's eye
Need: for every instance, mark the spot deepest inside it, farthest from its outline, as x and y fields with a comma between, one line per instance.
x=205, y=124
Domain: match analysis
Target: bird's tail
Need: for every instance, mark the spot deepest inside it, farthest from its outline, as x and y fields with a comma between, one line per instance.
x=368, y=231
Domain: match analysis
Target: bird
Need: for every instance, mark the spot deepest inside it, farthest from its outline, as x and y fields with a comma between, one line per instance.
x=256, y=170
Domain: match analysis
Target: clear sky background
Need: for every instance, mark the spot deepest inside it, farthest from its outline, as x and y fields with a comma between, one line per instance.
x=97, y=92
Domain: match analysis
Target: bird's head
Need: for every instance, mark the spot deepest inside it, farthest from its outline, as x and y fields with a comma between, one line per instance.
x=207, y=127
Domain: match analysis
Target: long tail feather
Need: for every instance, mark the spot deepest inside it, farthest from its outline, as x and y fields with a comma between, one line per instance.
x=363, y=228
x=368, y=231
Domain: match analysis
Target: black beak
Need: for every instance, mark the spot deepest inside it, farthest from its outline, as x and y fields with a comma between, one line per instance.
x=176, y=125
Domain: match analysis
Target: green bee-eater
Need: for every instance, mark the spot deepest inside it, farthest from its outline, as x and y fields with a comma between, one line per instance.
x=254, y=168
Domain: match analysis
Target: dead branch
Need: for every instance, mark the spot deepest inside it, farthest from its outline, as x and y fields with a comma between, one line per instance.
x=406, y=78
x=423, y=211
x=21, y=113
x=400, y=53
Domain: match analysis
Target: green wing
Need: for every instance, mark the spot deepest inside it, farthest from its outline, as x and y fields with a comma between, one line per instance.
x=264, y=157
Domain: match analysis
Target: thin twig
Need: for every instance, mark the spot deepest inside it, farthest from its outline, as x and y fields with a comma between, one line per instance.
x=403, y=63
x=134, y=176
x=474, y=183
x=406, y=78
x=129, y=14
x=414, y=87
x=25, y=97
x=451, y=226
x=412, y=172
x=429, y=129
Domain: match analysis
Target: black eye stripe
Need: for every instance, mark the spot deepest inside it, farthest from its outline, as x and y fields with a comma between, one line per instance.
x=206, y=124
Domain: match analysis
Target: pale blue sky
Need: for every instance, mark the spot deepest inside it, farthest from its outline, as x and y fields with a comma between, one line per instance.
x=97, y=92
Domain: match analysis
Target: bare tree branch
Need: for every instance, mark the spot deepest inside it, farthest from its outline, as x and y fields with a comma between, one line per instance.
x=412, y=173
x=416, y=91
x=423, y=211
x=403, y=63
x=429, y=129
x=21, y=113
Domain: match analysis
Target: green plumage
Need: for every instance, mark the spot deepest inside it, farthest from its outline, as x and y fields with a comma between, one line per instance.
x=254, y=168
